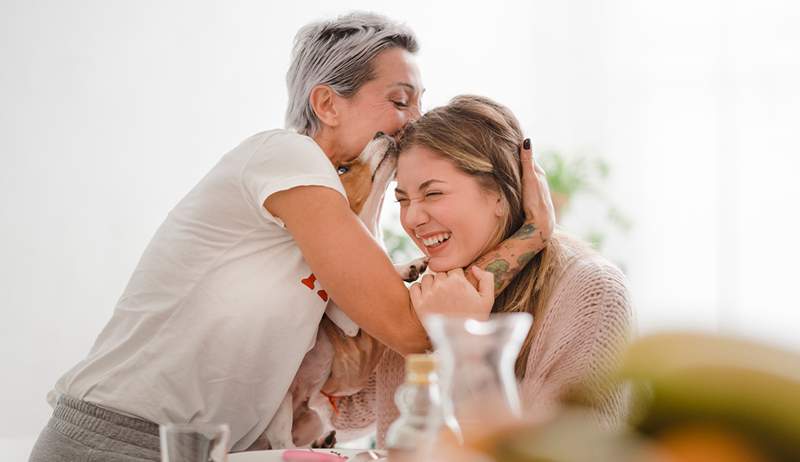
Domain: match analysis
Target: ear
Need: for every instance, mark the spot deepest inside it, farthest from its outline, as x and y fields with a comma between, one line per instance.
x=323, y=101
x=500, y=207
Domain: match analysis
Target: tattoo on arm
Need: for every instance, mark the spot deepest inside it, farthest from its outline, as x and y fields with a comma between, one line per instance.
x=508, y=258
x=500, y=269
x=525, y=258
x=526, y=231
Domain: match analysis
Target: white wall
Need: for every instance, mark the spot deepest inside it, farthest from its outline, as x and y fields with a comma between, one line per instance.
x=110, y=111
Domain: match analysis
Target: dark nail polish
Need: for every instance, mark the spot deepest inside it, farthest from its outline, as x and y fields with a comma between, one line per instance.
x=526, y=144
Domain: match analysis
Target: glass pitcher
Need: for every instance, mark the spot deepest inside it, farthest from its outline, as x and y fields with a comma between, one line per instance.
x=476, y=369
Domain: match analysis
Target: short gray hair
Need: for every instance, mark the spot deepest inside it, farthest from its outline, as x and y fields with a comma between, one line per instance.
x=338, y=53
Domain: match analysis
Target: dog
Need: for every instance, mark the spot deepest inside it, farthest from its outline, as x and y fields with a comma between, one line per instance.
x=340, y=363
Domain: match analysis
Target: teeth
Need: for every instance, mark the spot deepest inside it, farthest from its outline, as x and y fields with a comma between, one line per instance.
x=436, y=239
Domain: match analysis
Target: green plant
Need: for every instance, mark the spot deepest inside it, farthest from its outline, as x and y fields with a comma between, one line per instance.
x=400, y=247
x=570, y=176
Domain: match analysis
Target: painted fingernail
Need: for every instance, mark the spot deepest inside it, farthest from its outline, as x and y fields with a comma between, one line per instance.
x=526, y=144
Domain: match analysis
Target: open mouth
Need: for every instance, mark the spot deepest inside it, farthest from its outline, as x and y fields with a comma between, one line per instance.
x=435, y=241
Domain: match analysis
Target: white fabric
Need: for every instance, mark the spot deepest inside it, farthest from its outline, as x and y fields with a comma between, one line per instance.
x=340, y=318
x=215, y=320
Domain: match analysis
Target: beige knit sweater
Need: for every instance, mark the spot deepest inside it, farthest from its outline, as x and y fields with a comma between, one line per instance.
x=578, y=337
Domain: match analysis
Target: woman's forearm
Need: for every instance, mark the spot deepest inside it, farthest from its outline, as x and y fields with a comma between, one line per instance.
x=350, y=265
x=510, y=256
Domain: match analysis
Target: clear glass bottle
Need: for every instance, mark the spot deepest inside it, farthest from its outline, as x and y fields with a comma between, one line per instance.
x=419, y=403
x=476, y=367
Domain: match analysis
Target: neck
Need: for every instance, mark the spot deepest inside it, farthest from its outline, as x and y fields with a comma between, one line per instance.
x=326, y=142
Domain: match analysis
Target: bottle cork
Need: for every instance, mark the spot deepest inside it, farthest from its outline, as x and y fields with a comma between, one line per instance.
x=420, y=368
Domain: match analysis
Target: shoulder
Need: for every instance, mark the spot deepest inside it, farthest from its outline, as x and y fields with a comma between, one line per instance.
x=286, y=154
x=589, y=274
x=283, y=142
x=282, y=160
x=592, y=297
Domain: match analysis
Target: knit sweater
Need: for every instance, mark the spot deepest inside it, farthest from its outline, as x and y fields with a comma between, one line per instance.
x=577, y=339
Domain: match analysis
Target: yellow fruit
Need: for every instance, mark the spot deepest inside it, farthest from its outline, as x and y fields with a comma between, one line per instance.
x=687, y=378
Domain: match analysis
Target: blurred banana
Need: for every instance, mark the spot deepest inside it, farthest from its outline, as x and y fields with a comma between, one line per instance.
x=747, y=388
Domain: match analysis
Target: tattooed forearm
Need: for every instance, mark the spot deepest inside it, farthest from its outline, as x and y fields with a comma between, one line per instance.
x=525, y=258
x=500, y=269
x=511, y=255
x=526, y=231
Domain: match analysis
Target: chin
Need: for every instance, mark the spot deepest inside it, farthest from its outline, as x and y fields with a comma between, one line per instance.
x=443, y=264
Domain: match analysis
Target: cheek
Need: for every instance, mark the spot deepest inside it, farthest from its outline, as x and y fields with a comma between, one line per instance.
x=474, y=227
x=394, y=121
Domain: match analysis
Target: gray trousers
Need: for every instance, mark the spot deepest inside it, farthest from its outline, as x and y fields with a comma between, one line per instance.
x=82, y=432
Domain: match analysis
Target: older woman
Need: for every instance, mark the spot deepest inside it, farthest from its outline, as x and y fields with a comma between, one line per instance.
x=458, y=176
x=227, y=297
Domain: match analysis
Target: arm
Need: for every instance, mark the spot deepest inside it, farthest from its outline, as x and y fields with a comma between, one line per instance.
x=514, y=253
x=351, y=266
x=356, y=272
x=511, y=256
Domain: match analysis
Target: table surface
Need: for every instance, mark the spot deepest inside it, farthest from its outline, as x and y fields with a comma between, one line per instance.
x=275, y=456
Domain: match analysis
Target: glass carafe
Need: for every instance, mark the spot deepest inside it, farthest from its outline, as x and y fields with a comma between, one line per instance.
x=476, y=367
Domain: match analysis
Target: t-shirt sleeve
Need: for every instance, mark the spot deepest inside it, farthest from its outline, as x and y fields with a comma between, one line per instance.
x=284, y=161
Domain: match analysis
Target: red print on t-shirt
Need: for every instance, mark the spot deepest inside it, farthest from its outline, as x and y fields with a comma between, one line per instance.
x=309, y=281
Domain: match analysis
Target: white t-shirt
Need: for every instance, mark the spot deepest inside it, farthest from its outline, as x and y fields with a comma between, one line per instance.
x=222, y=308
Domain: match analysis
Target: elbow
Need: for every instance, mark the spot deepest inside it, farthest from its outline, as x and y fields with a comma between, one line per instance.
x=413, y=342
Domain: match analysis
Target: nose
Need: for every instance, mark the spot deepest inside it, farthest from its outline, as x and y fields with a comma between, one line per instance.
x=414, y=215
x=415, y=113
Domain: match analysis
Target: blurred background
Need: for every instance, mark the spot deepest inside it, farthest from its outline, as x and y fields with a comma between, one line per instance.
x=669, y=131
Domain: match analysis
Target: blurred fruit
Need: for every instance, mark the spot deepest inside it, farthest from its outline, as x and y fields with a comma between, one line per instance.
x=704, y=443
x=749, y=389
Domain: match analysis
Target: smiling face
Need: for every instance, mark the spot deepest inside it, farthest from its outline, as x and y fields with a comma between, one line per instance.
x=384, y=104
x=448, y=214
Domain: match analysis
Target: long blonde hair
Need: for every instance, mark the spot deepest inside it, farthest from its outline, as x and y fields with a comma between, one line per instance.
x=482, y=138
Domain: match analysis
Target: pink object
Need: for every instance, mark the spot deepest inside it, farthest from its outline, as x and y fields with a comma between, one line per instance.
x=577, y=338
x=300, y=455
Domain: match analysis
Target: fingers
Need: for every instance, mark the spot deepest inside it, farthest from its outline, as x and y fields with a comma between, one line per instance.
x=532, y=173
x=427, y=282
x=526, y=158
x=485, y=283
x=456, y=272
x=415, y=291
x=439, y=278
x=537, y=201
x=471, y=278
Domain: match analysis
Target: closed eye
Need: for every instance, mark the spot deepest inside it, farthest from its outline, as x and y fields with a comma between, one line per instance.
x=400, y=104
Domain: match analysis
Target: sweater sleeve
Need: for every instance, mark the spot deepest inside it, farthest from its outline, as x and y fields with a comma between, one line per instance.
x=584, y=331
x=358, y=414
x=391, y=374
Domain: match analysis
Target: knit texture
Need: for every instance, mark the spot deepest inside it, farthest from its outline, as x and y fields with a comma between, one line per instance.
x=577, y=340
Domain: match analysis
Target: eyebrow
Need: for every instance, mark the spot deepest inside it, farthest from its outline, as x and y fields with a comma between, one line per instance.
x=421, y=186
x=409, y=86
